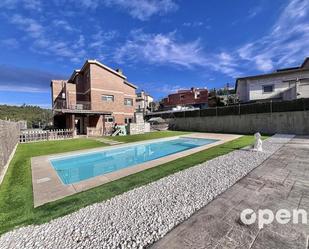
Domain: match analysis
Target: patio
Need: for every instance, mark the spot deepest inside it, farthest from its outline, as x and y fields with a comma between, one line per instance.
x=280, y=182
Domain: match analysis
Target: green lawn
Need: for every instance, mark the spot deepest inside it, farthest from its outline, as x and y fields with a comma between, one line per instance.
x=147, y=136
x=16, y=201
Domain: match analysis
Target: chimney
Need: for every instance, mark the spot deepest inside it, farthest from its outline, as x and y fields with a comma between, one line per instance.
x=118, y=70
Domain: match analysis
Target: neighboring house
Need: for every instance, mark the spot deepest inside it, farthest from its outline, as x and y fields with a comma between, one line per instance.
x=143, y=102
x=227, y=95
x=94, y=97
x=283, y=84
x=194, y=97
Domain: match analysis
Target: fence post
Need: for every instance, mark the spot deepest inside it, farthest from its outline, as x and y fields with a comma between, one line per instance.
x=271, y=106
x=216, y=111
x=238, y=108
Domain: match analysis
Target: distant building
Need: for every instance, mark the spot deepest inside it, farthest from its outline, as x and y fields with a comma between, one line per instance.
x=191, y=98
x=227, y=95
x=144, y=102
x=93, y=98
x=22, y=124
x=283, y=84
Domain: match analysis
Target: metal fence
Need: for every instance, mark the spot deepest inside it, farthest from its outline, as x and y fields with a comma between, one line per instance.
x=240, y=109
x=41, y=135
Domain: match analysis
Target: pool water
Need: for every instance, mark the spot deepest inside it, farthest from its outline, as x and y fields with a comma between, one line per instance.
x=76, y=168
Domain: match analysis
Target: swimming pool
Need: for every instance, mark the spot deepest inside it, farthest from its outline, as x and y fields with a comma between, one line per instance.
x=76, y=168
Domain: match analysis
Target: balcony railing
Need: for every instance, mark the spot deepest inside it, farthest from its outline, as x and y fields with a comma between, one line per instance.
x=79, y=105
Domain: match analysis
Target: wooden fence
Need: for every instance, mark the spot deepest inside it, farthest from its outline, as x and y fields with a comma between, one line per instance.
x=41, y=135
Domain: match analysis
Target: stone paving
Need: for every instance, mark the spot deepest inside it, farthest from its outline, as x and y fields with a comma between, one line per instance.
x=282, y=181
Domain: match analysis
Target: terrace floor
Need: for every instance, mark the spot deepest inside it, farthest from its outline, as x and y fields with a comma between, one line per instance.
x=281, y=182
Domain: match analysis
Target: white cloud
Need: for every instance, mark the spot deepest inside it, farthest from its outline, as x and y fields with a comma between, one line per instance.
x=164, y=49
x=225, y=63
x=63, y=24
x=23, y=89
x=160, y=49
x=31, y=26
x=8, y=4
x=44, y=43
x=26, y=4
x=144, y=9
x=89, y=3
x=167, y=88
x=32, y=4
x=101, y=37
x=10, y=43
x=284, y=45
x=193, y=24
x=255, y=11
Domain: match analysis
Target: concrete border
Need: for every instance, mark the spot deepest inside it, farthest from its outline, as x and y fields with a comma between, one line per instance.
x=48, y=187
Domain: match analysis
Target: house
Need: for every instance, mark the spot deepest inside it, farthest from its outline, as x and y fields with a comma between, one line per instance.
x=93, y=98
x=194, y=97
x=283, y=84
x=143, y=102
x=227, y=95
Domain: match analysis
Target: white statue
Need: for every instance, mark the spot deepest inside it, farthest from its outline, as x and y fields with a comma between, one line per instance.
x=258, y=142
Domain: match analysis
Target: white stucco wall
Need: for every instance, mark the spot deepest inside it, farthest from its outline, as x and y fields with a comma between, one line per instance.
x=303, y=89
x=252, y=89
x=256, y=88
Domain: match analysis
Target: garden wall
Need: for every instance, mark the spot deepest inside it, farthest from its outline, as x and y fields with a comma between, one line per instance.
x=294, y=122
x=9, y=137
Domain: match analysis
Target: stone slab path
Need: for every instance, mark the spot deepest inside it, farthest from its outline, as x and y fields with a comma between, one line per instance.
x=108, y=141
x=282, y=181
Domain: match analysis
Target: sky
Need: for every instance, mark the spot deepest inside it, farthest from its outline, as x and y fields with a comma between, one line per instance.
x=161, y=45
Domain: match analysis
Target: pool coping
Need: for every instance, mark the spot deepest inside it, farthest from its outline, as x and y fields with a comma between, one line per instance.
x=48, y=187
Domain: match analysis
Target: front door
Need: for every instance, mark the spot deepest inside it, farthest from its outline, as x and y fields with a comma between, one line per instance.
x=79, y=125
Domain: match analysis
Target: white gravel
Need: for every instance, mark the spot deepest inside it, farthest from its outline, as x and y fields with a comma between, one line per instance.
x=142, y=216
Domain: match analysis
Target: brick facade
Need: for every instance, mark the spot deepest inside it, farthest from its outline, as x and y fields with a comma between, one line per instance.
x=100, y=91
x=194, y=97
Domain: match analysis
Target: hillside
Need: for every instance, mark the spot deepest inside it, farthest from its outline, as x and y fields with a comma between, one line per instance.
x=34, y=115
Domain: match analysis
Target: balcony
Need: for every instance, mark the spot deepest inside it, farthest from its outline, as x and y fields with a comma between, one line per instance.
x=78, y=106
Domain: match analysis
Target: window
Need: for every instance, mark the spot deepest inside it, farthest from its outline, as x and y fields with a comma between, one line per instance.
x=128, y=102
x=182, y=96
x=109, y=119
x=108, y=98
x=268, y=88
x=128, y=120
